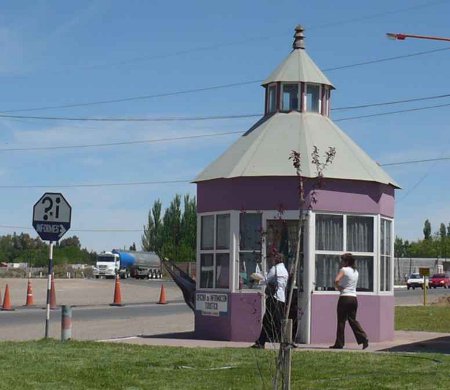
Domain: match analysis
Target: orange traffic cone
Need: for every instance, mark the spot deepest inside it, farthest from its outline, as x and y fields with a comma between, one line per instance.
x=7, y=302
x=29, y=301
x=117, y=293
x=53, y=294
x=162, y=296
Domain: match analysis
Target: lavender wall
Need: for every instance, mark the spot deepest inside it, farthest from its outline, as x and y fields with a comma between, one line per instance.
x=241, y=323
x=375, y=314
x=272, y=193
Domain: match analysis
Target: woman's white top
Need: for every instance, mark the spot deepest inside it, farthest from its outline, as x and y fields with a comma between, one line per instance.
x=348, y=282
x=282, y=279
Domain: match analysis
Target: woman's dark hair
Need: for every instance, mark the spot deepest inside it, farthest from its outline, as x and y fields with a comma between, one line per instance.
x=349, y=260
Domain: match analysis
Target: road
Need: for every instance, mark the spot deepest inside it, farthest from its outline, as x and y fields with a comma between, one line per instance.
x=94, y=319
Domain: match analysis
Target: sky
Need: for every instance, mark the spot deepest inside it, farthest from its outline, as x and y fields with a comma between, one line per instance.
x=158, y=60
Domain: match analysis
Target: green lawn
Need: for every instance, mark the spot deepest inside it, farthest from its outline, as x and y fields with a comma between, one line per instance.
x=423, y=318
x=89, y=365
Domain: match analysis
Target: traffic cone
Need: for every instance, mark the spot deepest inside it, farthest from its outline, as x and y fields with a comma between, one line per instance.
x=53, y=294
x=29, y=301
x=162, y=296
x=7, y=302
x=117, y=293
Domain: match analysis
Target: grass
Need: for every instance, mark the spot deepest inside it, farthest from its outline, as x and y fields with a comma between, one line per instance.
x=423, y=318
x=49, y=364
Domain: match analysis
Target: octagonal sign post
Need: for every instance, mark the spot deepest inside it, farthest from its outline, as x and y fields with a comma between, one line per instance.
x=51, y=220
x=51, y=216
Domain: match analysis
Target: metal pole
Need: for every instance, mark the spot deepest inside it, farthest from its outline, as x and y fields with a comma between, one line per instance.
x=66, y=322
x=49, y=286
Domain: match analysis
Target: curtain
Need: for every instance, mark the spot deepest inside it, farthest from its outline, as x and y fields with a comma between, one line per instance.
x=327, y=267
x=364, y=265
x=359, y=234
x=329, y=232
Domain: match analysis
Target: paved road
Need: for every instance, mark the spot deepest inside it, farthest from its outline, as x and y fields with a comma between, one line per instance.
x=94, y=318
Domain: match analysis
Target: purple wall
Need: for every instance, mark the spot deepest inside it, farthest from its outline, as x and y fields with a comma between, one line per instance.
x=271, y=193
x=241, y=323
x=375, y=314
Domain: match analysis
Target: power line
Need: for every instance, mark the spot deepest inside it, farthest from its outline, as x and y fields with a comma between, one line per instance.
x=415, y=161
x=133, y=98
x=216, y=46
x=391, y=112
x=90, y=185
x=188, y=137
x=184, y=181
x=209, y=88
x=211, y=117
x=121, y=143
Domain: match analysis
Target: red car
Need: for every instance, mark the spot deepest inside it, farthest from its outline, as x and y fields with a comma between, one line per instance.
x=440, y=280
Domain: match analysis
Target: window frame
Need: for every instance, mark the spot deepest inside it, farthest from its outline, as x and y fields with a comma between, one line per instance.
x=319, y=98
x=299, y=95
x=375, y=254
x=214, y=251
x=272, y=87
x=383, y=219
x=249, y=251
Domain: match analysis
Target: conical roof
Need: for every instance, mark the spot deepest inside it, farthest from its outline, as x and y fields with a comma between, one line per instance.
x=298, y=65
x=264, y=151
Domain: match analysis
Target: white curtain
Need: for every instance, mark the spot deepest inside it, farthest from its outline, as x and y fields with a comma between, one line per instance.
x=359, y=234
x=364, y=265
x=329, y=232
x=327, y=267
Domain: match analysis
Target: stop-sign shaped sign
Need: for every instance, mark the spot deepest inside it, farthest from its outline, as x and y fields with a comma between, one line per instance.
x=51, y=216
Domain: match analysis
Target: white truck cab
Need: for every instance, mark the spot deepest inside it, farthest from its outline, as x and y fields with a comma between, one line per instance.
x=107, y=265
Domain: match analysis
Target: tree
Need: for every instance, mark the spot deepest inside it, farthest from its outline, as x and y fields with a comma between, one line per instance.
x=427, y=230
x=152, y=237
x=172, y=230
x=188, y=238
x=73, y=241
x=133, y=247
x=442, y=231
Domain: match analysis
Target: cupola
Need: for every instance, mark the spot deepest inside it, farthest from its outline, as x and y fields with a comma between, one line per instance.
x=297, y=84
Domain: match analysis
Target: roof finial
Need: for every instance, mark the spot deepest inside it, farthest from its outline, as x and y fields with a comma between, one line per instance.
x=298, y=38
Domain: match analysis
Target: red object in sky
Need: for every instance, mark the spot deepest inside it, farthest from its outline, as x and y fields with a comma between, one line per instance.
x=402, y=37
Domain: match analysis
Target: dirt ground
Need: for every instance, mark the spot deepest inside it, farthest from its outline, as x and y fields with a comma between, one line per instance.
x=81, y=292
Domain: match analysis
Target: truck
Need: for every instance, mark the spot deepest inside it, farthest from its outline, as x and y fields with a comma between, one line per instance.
x=140, y=265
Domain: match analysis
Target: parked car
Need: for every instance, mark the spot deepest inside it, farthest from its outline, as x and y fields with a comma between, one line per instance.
x=440, y=280
x=415, y=280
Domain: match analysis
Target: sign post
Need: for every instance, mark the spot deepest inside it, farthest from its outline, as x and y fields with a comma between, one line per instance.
x=51, y=220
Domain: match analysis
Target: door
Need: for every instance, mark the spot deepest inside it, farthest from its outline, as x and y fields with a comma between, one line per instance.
x=282, y=236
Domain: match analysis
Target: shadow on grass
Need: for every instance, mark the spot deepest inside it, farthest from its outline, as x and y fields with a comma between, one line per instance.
x=436, y=345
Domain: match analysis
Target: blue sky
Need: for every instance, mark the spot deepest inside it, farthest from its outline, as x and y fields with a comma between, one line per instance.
x=55, y=53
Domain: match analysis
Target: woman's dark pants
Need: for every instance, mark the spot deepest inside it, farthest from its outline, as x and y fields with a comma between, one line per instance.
x=346, y=311
x=271, y=327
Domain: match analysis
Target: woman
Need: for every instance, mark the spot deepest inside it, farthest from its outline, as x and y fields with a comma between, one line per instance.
x=346, y=281
x=277, y=277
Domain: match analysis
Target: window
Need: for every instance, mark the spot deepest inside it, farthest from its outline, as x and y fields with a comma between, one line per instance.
x=359, y=234
x=290, y=97
x=329, y=232
x=385, y=255
x=250, y=232
x=331, y=243
x=214, y=251
x=312, y=97
x=272, y=99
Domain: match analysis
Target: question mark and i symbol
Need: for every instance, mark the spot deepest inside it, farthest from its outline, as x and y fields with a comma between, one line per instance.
x=47, y=209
